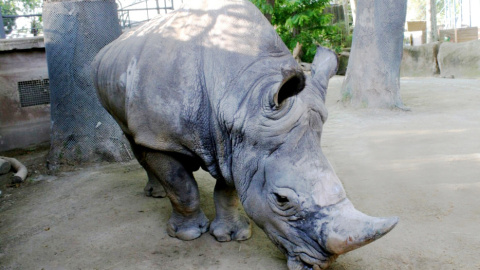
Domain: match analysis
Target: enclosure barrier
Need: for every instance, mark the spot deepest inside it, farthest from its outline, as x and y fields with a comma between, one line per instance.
x=81, y=129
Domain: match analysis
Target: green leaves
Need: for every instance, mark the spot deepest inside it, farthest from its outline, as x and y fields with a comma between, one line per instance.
x=264, y=7
x=8, y=8
x=12, y=7
x=301, y=21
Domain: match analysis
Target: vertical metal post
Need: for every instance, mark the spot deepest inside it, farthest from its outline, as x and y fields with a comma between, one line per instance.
x=158, y=8
x=347, y=18
x=454, y=14
x=461, y=13
x=2, y=27
x=146, y=6
x=470, y=11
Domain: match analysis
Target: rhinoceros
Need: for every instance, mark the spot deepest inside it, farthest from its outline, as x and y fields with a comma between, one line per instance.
x=212, y=86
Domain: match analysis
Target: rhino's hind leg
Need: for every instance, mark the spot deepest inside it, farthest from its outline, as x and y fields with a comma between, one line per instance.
x=173, y=171
x=154, y=188
x=229, y=224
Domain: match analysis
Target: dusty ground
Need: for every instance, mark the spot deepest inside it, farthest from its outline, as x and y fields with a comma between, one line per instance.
x=423, y=166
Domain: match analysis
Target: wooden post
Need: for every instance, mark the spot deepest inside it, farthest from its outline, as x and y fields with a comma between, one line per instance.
x=5, y=166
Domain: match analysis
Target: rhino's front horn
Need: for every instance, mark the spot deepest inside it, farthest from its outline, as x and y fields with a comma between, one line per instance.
x=349, y=228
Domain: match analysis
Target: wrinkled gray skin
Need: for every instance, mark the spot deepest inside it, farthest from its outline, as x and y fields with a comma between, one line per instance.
x=213, y=86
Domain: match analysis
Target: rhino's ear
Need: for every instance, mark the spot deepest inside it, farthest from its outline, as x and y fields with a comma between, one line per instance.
x=324, y=66
x=292, y=84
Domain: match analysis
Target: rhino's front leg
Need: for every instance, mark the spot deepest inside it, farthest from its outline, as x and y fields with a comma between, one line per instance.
x=173, y=171
x=228, y=224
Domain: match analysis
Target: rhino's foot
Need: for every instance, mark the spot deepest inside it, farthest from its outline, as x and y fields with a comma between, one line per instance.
x=228, y=229
x=187, y=228
x=155, y=191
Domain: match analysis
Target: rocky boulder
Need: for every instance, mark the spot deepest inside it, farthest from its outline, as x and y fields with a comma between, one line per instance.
x=459, y=60
x=420, y=61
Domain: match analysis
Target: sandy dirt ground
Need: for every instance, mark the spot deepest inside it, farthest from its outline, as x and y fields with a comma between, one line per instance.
x=422, y=165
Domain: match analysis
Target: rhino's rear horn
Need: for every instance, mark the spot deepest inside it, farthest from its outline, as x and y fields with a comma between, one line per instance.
x=292, y=84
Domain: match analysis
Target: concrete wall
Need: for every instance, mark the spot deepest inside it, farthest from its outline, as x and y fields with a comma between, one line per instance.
x=21, y=127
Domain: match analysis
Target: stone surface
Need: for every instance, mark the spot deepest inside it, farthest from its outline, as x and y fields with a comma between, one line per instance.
x=420, y=61
x=21, y=43
x=461, y=60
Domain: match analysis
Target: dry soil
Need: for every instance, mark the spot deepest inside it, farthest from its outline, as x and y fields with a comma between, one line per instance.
x=422, y=165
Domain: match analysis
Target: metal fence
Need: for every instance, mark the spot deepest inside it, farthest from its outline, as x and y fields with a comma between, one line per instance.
x=8, y=21
x=138, y=12
x=81, y=129
x=129, y=16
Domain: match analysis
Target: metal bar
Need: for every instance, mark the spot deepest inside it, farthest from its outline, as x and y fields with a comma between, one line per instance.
x=455, y=15
x=2, y=28
x=461, y=13
x=146, y=5
x=138, y=9
x=18, y=16
x=470, y=11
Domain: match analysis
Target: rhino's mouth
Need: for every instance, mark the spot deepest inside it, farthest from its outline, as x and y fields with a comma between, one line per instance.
x=303, y=256
x=305, y=262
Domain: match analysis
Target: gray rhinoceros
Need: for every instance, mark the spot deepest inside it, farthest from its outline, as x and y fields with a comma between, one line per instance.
x=213, y=86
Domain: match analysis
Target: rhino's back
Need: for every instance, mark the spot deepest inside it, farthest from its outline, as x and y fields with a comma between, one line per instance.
x=161, y=80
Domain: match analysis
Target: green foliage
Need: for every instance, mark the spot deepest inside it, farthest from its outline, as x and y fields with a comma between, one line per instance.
x=416, y=10
x=340, y=37
x=304, y=22
x=29, y=6
x=12, y=7
x=8, y=8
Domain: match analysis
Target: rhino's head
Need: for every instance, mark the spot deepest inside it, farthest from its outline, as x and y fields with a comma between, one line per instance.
x=293, y=193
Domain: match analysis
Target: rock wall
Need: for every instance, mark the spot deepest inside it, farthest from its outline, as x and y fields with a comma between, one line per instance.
x=460, y=60
x=445, y=59
x=420, y=61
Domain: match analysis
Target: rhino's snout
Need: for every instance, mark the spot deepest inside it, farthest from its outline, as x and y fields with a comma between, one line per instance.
x=334, y=230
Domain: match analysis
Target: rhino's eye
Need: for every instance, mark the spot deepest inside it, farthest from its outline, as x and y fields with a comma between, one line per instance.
x=284, y=202
x=281, y=200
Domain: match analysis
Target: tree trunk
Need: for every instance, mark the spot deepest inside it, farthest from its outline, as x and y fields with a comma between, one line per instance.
x=373, y=71
x=269, y=16
x=298, y=52
x=432, y=34
x=81, y=129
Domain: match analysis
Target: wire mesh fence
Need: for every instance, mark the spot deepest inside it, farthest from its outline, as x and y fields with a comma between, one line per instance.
x=81, y=128
x=130, y=14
